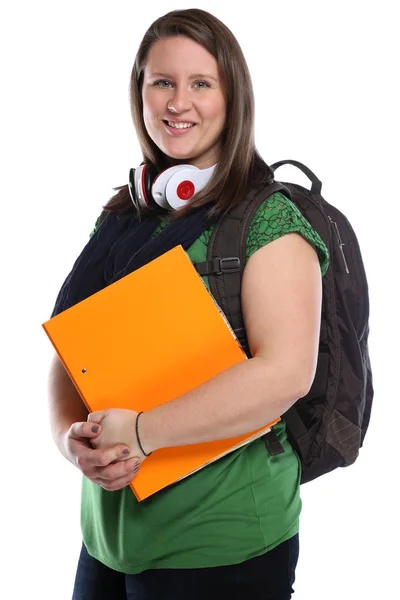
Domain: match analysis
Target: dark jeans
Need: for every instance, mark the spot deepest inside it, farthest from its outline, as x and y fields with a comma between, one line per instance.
x=266, y=577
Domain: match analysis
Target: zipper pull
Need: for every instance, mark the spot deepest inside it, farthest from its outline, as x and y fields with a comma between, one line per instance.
x=341, y=244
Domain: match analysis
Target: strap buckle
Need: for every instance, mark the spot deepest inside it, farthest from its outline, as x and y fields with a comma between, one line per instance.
x=273, y=444
x=229, y=265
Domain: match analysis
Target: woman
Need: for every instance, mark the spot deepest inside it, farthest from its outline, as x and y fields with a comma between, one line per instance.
x=231, y=529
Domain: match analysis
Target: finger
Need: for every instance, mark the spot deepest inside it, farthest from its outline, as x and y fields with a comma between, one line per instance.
x=109, y=472
x=117, y=484
x=87, y=430
x=117, y=470
x=104, y=457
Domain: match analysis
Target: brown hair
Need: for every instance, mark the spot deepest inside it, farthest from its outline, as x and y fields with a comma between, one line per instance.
x=240, y=166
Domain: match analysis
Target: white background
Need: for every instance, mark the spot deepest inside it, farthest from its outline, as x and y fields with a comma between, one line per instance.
x=325, y=76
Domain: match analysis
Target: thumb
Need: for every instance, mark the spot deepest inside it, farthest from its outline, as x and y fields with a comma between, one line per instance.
x=84, y=430
x=97, y=417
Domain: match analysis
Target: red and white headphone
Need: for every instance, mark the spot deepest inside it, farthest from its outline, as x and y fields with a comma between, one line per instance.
x=171, y=189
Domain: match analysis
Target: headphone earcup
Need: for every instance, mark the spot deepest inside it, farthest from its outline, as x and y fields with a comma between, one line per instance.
x=135, y=187
x=142, y=182
x=132, y=189
x=184, y=184
x=159, y=187
x=148, y=177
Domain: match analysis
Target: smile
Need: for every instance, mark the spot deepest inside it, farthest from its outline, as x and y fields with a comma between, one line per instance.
x=180, y=125
x=178, y=128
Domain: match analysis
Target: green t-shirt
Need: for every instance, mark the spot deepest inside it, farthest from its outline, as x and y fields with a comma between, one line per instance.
x=237, y=508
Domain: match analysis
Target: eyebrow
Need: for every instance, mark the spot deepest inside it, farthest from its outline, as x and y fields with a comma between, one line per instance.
x=195, y=76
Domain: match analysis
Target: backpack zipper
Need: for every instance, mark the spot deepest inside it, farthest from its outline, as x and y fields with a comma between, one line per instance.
x=341, y=244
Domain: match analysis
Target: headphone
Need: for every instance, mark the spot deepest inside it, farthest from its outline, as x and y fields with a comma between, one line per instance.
x=170, y=189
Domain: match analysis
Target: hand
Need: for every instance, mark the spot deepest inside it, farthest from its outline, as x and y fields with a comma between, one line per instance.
x=118, y=427
x=111, y=468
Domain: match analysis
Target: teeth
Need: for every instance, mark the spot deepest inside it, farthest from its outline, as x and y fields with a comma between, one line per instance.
x=180, y=125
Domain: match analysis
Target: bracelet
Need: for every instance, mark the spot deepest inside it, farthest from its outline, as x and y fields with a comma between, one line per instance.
x=137, y=435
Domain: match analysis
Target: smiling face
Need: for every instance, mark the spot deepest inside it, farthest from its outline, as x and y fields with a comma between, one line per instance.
x=184, y=106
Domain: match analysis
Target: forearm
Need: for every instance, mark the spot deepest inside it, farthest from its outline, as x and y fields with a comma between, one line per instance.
x=65, y=404
x=241, y=399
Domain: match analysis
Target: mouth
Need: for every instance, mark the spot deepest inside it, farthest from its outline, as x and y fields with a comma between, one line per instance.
x=178, y=128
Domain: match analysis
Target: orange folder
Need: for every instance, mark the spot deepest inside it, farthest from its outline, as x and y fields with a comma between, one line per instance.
x=146, y=339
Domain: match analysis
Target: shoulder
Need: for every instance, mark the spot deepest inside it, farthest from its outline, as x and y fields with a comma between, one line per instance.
x=96, y=226
x=102, y=217
x=278, y=216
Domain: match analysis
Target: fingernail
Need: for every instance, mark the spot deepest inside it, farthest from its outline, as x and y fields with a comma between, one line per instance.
x=126, y=451
x=137, y=464
x=136, y=470
x=95, y=428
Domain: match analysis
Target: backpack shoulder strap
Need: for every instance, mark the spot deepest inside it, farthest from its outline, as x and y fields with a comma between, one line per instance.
x=226, y=256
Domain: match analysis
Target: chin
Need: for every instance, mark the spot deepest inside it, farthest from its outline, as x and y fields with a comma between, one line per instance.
x=184, y=156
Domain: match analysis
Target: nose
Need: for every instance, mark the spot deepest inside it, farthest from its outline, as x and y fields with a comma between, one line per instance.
x=179, y=100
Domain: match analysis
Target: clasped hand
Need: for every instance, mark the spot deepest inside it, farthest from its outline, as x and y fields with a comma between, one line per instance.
x=105, y=448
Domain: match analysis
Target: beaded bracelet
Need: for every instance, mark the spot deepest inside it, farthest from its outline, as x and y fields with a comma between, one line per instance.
x=137, y=435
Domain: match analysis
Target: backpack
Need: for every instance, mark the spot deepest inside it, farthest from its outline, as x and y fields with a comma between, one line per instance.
x=327, y=427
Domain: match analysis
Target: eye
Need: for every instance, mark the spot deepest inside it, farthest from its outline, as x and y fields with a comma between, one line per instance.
x=160, y=83
x=203, y=85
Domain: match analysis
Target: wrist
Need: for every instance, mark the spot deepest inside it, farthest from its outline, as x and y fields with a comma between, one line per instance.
x=145, y=432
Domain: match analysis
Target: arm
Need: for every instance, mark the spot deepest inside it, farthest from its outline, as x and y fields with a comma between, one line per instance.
x=281, y=304
x=65, y=404
x=73, y=434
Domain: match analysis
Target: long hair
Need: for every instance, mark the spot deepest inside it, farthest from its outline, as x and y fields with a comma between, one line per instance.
x=240, y=167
